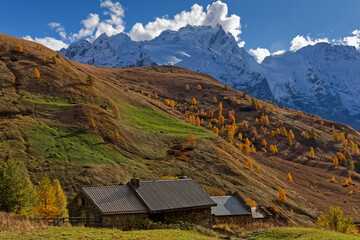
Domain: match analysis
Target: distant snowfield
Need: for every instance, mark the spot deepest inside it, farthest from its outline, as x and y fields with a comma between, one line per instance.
x=320, y=79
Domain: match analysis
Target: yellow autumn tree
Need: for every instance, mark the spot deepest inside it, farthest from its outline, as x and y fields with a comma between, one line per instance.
x=60, y=202
x=264, y=143
x=43, y=61
x=282, y=195
x=249, y=164
x=187, y=87
x=191, y=141
x=214, y=99
x=288, y=140
x=117, y=136
x=92, y=123
x=333, y=180
x=36, y=73
x=335, y=161
x=197, y=121
x=46, y=194
x=215, y=130
x=289, y=177
x=172, y=104
x=220, y=108
x=198, y=87
x=19, y=49
x=54, y=60
x=115, y=111
x=193, y=102
x=311, y=153
x=291, y=134
x=240, y=137
x=90, y=80
x=155, y=95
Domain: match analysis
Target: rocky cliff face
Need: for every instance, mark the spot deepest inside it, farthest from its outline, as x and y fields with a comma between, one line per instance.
x=320, y=79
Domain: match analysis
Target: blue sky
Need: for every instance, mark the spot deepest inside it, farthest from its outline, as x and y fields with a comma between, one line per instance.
x=266, y=26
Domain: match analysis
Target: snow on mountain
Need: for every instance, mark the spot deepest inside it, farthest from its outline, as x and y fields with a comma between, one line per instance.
x=319, y=79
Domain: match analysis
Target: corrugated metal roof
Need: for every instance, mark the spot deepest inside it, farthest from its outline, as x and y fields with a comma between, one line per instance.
x=112, y=199
x=228, y=206
x=162, y=195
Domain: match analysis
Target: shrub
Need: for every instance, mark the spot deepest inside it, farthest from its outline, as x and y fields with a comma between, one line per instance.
x=19, y=49
x=43, y=61
x=36, y=73
x=336, y=221
x=90, y=80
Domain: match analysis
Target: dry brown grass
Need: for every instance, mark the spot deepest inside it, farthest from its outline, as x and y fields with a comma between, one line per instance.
x=10, y=222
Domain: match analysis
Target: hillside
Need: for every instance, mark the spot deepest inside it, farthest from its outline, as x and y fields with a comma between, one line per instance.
x=319, y=79
x=44, y=126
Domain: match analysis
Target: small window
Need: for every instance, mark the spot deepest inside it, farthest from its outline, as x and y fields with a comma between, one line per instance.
x=81, y=201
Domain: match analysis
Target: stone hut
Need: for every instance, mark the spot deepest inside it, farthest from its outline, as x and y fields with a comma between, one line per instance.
x=159, y=200
x=234, y=210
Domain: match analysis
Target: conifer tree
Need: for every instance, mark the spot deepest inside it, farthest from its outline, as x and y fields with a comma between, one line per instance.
x=191, y=141
x=43, y=61
x=19, y=49
x=172, y=104
x=46, y=194
x=54, y=60
x=288, y=141
x=220, y=108
x=117, y=136
x=187, y=87
x=36, y=73
x=264, y=143
x=197, y=121
x=193, y=102
x=198, y=87
x=155, y=95
x=229, y=140
x=92, y=123
x=290, y=177
x=215, y=130
x=311, y=153
x=57, y=56
x=245, y=93
x=282, y=195
x=349, y=164
x=16, y=191
x=238, y=102
x=90, y=80
x=335, y=161
x=291, y=212
x=60, y=197
x=249, y=164
x=215, y=100
x=333, y=180
x=115, y=111
x=240, y=136
x=291, y=134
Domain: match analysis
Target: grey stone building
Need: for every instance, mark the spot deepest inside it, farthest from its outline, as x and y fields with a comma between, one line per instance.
x=159, y=200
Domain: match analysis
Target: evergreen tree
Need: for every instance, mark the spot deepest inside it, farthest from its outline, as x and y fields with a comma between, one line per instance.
x=311, y=153
x=54, y=60
x=19, y=49
x=92, y=123
x=117, y=136
x=215, y=130
x=193, y=102
x=290, y=177
x=288, y=140
x=43, y=61
x=16, y=192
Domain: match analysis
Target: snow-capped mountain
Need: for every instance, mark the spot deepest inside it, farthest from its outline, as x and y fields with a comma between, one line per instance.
x=319, y=79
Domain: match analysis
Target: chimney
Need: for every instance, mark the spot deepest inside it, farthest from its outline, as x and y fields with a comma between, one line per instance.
x=135, y=182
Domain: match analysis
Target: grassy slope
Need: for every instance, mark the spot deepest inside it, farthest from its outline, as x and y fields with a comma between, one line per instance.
x=44, y=126
x=93, y=233
x=300, y=234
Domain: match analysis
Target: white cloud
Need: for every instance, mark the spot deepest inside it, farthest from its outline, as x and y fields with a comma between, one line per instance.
x=93, y=27
x=300, y=41
x=216, y=13
x=241, y=44
x=58, y=28
x=353, y=40
x=49, y=42
x=260, y=54
x=279, y=52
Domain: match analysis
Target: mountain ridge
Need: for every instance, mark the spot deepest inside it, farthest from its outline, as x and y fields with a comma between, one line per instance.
x=216, y=53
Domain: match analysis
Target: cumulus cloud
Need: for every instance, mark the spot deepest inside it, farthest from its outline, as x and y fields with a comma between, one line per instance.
x=93, y=27
x=49, y=42
x=353, y=40
x=300, y=41
x=59, y=28
x=216, y=13
x=260, y=54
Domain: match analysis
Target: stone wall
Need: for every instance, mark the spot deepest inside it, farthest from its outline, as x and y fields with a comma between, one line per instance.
x=121, y=221
x=238, y=220
x=82, y=207
x=198, y=216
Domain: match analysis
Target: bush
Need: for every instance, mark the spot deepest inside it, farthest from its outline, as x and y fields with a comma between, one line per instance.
x=337, y=222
